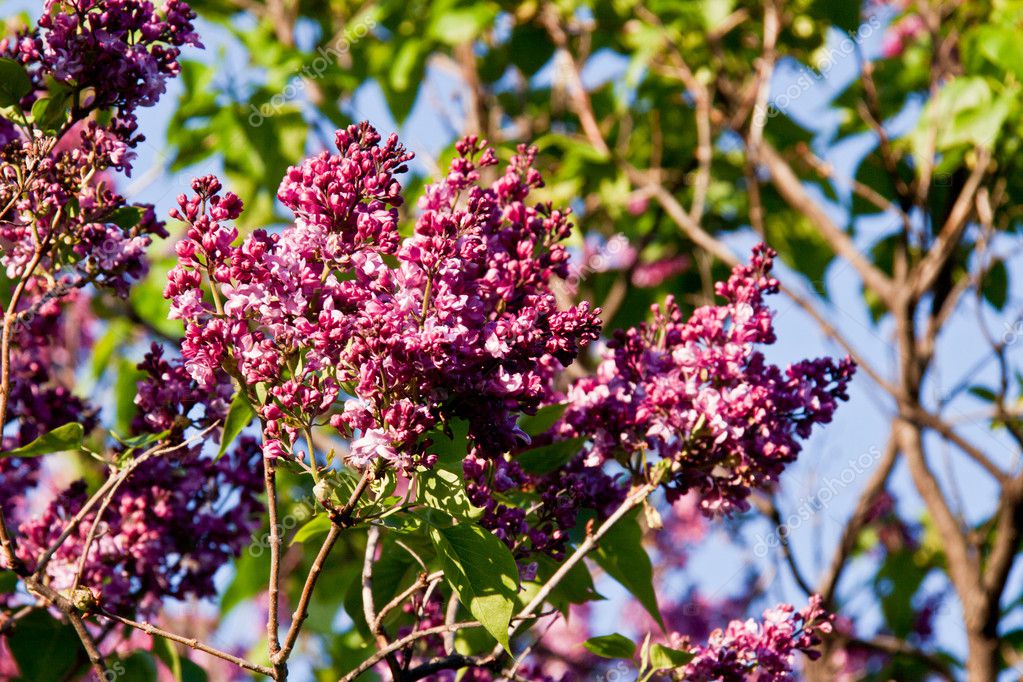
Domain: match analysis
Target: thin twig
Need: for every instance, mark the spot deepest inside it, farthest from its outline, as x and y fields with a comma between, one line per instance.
x=302, y=610
x=191, y=643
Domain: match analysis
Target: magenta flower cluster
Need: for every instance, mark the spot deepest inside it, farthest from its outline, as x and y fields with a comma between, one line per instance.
x=41, y=356
x=88, y=56
x=762, y=651
x=119, y=52
x=342, y=322
x=66, y=210
x=174, y=522
x=699, y=393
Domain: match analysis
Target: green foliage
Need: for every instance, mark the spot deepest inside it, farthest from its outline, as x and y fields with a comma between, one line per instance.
x=547, y=458
x=482, y=572
x=61, y=439
x=622, y=555
x=239, y=415
x=611, y=646
x=14, y=82
x=666, y=658
x=45, y=648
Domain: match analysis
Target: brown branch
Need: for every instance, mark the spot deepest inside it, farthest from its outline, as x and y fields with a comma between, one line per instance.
x=302, y=610
x=421, y=582
x=368, y=607
x=963, y=567
x=795, y=194
x=7, y=545
x=917, y=415
x=929, y=268
x=865, y=192
x=191, y=643
x=273, y=587
x=579, y=98
x=870, y=112
x=634, y=499
x=894, y=646
x=400, y=644
x=99, y=666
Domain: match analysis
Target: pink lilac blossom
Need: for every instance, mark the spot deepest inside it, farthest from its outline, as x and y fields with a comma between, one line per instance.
x=655, y=273
x=125, y=50
x=345, y=323
x=762, y=651
x=86, y=231
x=699, y=393
x=562, y=494
x=902, y=33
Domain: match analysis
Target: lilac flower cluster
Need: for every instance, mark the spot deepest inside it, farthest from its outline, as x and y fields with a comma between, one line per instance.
x=174, y=522
x=457, y=320
x=89, y=56
x=697, y=392
x=43, y=353
x=764, y=651
x=118, y=52
x=66, y=211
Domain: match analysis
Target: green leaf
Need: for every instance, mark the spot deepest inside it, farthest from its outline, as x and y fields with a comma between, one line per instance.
x=44, y=648
x=996, y=285
x=14, y=82
x=983, y=393
x=664, y=658
x=1001, y=45
x=443, y=488
x=453, y=446
x=395, y=570
x=126, y=386
x=314, y=528
x=338, y=486
x=147, y=299
x=50, y=113
x=457, y=26
x=622, y=555
x=61, y=439
x=251, y=573
x=575, y=588
x=116, y=335
x=799, y=243
x=141, y=440
x=182, y=669
x=543, y=420
x=126, y=217
x=843, y=14
x=239, y=415
x=8, y=582
x=611, y=646
x=547, y=458
x=139, y=667
x=407, y=61
x=482, y=572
